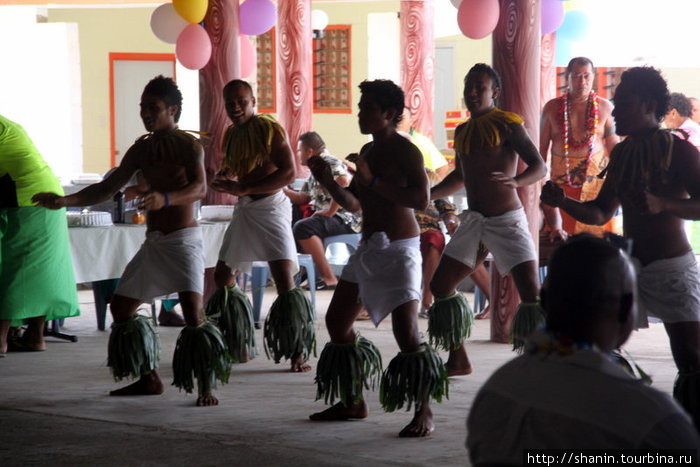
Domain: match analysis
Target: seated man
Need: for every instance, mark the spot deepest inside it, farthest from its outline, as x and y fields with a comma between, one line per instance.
x=678, y=118
x=566, y=391
x=329, y=218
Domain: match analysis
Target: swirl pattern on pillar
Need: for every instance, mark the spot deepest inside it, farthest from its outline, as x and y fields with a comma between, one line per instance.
x=221, y=23
x=418, y=62
x=548, y=77
x=295, y=96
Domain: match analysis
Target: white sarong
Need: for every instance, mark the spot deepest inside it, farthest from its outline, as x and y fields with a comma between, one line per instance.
x=506, y=236
x=388, y=274
x=669, y=289
x=260, y=230
x=165, y=264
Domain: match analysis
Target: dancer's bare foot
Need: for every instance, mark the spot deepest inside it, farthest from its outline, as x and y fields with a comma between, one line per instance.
x=421, y=425
x=485, y=313
x=340, y=412
x=458, y=363
x=205, y=400
x=299, y=365
x=147, y=385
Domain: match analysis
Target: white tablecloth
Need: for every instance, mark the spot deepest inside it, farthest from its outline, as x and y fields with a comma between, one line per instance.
x=101, y=253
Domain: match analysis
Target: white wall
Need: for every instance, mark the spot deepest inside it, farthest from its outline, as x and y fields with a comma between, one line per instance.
x=41, y=88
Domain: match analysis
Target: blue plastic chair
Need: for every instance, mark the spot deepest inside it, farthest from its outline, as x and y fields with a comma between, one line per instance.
x=351, y=240
x=258, y=281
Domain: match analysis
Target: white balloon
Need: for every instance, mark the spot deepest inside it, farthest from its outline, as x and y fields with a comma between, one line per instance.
x=166, y=24
x=456, y=3
x=319, y=20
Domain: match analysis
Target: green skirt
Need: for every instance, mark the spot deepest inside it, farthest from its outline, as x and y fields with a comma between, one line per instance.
x=36, y=269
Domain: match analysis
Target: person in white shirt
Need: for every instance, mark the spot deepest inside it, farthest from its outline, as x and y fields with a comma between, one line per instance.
x=565, y=391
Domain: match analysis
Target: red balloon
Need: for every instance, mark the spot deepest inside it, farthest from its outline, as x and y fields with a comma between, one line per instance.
x=478, y=18
x=193, y=47
x=249, y=56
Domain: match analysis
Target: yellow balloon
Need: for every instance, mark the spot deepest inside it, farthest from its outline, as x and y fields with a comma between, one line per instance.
x=193, y=11
x=569, y=5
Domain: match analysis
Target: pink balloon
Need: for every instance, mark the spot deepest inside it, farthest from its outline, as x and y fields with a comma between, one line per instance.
x=249, y=56
x=478, y=18
x=166, y=24
x=552, y=15
x=193, y=47
x=257, y=17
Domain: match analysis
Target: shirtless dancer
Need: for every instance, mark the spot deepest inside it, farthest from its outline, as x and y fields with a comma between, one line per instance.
x=579, y=129
x=487, y=147
x=172, y=257
x=384, y=274
x=655, y=176
x=257, y=164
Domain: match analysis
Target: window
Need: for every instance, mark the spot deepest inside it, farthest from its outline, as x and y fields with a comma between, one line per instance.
x=266, y=72
x=331, y=70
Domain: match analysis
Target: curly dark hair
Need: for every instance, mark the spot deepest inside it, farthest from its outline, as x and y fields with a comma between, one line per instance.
x=166, y=89
x=234, y=83
x=387, y=94
x=647, y=83
x=681, y=103
x=493, y=74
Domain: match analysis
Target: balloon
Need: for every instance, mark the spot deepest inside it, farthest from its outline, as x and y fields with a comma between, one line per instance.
x=166, y=24
x=573, y=5
x=576, y=26
x=552, y=15
x=193, y=47
x=192, y=11
x=478, y=18
x=319, y=20
x=249, y=56
x=456, y=3
x=257, y=17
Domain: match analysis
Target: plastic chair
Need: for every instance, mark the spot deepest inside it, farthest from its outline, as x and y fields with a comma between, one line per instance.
x=258, y=281
x=101, y=291
x=339, y=248
x=351, y=240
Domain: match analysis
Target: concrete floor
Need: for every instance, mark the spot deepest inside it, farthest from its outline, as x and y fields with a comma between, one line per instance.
x=54, y=407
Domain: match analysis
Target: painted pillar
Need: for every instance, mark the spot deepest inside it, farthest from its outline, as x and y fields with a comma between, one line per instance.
x=548, y=71
x=418, y=62
x=294, y=85
x=221, y=22
x=516, y=57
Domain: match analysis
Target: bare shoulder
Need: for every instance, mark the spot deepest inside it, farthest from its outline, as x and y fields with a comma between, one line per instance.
x=605, y=106
x=550, y=108
x=517, y=130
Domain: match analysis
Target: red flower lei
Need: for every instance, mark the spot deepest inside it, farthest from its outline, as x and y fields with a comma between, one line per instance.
x=592, y=114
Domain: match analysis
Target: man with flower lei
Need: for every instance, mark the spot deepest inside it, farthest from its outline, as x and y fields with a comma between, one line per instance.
x=655, y=177
x=579, y=129
x=568, y=390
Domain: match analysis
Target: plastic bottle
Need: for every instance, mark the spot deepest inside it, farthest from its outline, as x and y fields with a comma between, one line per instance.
x=118, y=208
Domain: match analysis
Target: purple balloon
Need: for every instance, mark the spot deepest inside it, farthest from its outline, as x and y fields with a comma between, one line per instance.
x=552, y=15
x=257, y=17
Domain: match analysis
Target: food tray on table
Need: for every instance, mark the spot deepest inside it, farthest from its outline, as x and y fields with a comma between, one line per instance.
x=88, y=218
